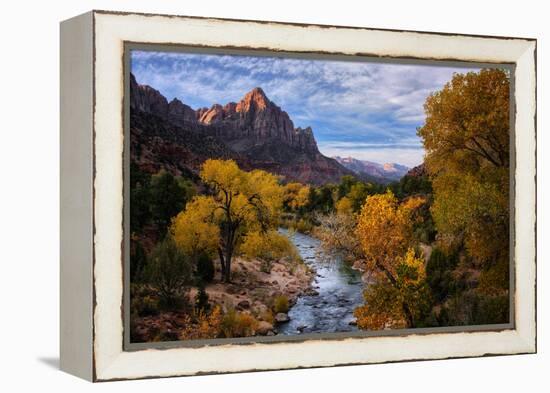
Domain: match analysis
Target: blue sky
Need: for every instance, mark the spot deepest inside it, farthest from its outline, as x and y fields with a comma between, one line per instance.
x=366, y=110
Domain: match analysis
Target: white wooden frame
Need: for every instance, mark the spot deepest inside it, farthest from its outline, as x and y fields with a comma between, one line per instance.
x=92, y=195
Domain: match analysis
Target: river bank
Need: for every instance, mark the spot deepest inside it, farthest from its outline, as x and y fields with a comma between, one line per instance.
x=322, y=293
x=252, y=291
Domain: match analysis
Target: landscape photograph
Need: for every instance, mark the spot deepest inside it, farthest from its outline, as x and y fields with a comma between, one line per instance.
x=289, y=196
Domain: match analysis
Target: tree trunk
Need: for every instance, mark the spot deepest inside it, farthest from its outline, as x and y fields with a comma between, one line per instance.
x=229, y=247
x=222, y=263
x=408, y=315
x=228, y=258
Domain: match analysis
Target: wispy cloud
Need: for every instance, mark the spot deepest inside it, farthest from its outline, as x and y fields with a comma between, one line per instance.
x=363, y=109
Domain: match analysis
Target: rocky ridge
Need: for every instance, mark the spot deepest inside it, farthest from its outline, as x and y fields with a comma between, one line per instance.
x=254, y=131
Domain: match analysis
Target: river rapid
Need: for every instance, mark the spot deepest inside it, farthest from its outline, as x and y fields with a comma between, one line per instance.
x=339, y=290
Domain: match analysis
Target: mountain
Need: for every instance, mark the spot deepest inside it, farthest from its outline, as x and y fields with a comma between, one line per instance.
x=254, y=131
x=384, y=173
x=254, y=121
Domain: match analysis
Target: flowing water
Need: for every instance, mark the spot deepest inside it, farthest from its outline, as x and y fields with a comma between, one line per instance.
x=340, y=292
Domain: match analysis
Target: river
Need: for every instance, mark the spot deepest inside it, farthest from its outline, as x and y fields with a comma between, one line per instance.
x=340, y=292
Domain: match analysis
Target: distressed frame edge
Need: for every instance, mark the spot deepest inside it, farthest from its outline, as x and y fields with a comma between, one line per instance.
x=76, y=196
x=526, y=322
x=304, y=24
x=528, y=339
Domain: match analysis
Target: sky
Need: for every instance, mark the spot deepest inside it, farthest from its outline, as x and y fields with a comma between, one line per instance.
x=366, y=110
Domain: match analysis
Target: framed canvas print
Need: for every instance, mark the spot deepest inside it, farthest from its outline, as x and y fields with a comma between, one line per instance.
x=246, y=195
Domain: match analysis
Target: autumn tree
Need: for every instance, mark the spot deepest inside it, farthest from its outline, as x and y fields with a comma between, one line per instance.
x=336, y=232
x=296, y=196
x=466, y=137
x=239, y=202
x=268, y=246
x=194, y=229
x=385, y=233
x=344, y=206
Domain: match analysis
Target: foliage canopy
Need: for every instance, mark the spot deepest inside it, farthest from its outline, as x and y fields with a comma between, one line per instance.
x=239, y=202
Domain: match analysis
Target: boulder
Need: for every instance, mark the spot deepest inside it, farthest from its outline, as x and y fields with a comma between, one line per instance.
x=282, y=317
x=243, y=305
x=264, y=328
x=311, y=292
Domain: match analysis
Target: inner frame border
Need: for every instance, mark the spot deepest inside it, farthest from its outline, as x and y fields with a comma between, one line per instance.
x=129, y=46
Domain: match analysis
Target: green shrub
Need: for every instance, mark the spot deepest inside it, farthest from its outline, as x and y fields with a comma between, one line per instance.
x=205, y=268
x=169, y=271
x=281, y=304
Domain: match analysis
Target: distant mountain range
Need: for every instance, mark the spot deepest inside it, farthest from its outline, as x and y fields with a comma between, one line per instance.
x=382, y=173
x=254, y=132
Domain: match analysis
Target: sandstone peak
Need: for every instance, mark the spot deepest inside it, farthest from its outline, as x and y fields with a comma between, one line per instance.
x=257, y=92
x=256, y=96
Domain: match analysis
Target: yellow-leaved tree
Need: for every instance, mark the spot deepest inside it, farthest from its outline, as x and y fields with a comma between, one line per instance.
x=238, y=202
x=466, y=137
x=194, y=229
x=399, y=295
x=296, y=195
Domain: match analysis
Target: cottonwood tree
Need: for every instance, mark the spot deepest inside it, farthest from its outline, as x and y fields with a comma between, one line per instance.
x=194, y=229
x=466, y=137
x=296, y=196
x=239, y=202
x=385, y=233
